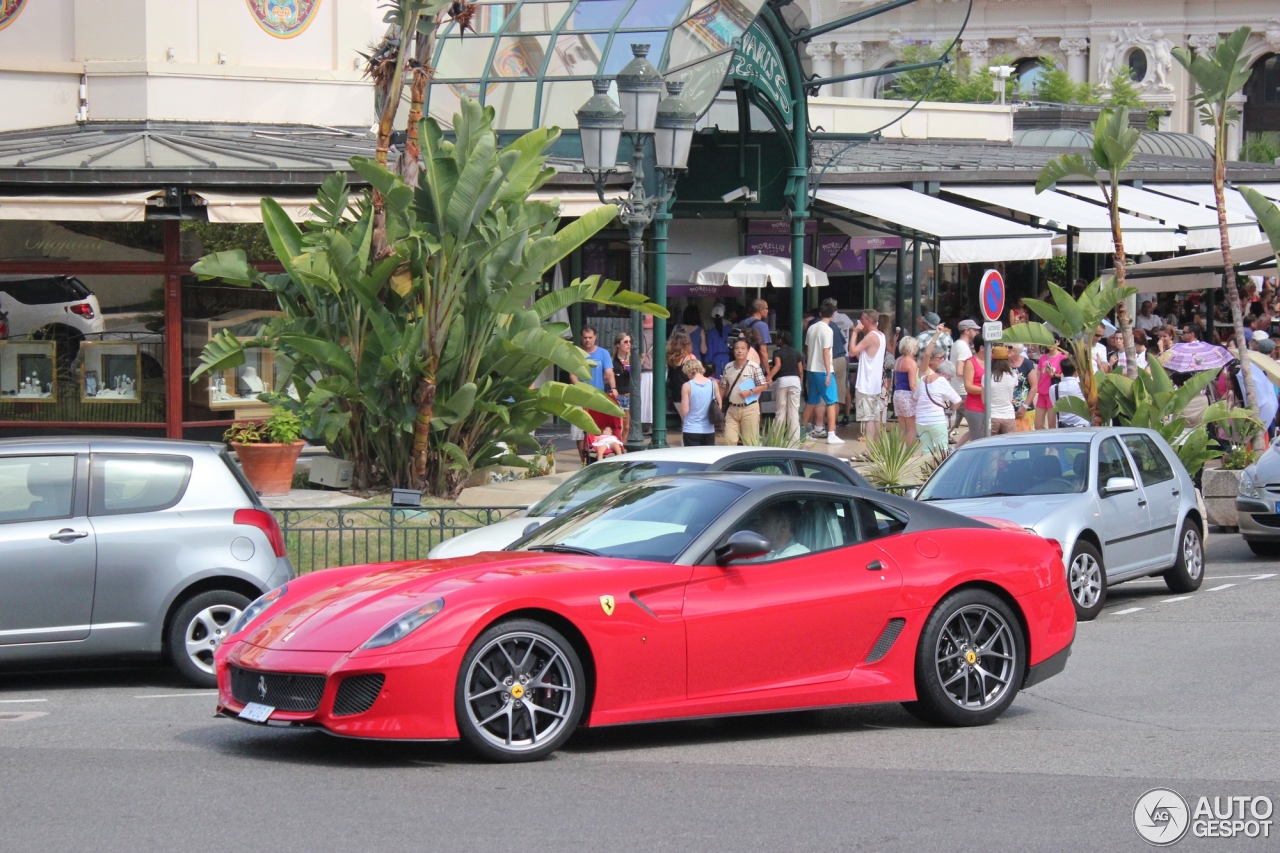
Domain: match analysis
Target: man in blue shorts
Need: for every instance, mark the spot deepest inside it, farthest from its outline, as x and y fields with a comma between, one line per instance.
x=823, y=393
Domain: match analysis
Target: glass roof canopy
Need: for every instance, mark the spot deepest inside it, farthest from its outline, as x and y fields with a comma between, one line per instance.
x=533, y=60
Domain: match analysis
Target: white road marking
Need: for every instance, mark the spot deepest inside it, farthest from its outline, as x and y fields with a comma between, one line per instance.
x=1126, y=610
x=1263, y=577
x=1172, y=600
x=20, y=701
x=1221, y=586
x=176, y=695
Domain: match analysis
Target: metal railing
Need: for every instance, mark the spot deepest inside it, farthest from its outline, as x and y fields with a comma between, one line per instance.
x=324, y=538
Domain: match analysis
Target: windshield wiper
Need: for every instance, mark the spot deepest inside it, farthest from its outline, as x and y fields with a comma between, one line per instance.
x=565, y=549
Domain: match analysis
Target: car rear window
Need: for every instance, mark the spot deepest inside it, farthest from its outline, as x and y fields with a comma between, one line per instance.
x=133, y=482
x=34, y=488
x=45, y=291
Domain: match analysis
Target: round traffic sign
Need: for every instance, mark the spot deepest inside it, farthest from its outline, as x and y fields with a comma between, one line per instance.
x=991, y=295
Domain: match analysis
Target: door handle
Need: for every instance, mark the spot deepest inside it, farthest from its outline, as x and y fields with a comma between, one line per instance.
x=68, y=535
x=875, y=566
x=1176, y=493
x=1142, y=503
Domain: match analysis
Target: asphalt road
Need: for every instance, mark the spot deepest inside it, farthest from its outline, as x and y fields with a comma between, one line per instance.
x=1160, y=691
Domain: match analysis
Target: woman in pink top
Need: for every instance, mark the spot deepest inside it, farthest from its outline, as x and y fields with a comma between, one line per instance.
x=1049, y=367
x=972, y=371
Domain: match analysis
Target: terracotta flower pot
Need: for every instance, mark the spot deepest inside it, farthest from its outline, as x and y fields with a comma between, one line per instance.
x=269, y=467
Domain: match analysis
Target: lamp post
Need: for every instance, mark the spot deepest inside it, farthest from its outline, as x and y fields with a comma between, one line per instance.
x=671, y=124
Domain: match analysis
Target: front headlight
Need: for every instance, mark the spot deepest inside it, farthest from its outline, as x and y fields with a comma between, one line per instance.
x=254, y=610
x=1248, y=488
x=403, y=625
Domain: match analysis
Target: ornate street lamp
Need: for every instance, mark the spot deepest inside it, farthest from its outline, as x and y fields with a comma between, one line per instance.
x=671, y=124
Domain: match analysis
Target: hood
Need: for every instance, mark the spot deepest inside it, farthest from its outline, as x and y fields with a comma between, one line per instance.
x=340, y=618
x=1025, y=512
x=1268, y=467
x=491, y=537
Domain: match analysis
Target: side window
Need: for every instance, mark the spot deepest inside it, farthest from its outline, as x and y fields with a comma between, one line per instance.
x=34, y=488
x=826, y=473
x=762, y=466
x=806, y=525
x=1152, y=463
x=1112, y=462
x=124, y=483
x=878, y=521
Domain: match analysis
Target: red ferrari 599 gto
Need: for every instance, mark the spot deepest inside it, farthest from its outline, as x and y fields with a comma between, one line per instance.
x=682, y=597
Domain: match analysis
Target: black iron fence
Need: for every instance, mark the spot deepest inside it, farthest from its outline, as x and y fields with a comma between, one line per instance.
x=324, y=538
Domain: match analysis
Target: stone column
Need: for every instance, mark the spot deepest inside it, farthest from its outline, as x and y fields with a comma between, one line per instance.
x=852, y=53
x=1077, y=51
x=820, y=59
x=1202, y=44
x=1235, y=131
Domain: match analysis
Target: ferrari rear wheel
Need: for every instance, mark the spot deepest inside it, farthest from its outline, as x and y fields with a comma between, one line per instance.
x=970, y=660
x=520, y=693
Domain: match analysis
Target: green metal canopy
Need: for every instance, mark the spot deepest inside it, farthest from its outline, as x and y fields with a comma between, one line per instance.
x=533, y=60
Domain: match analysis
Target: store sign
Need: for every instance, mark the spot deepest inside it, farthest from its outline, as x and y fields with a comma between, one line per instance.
x=9, y=10
x=835, y=256
x=281, y=18
x=778, y=247
x=758, y=63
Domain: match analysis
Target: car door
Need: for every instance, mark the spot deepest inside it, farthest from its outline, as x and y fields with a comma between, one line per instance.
x=48, y=551
x=1164, y=495
x=1124, y=521
x=802, y=614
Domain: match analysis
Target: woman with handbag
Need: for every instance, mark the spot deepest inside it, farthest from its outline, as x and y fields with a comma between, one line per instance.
x=741, y=384
x=699, y=407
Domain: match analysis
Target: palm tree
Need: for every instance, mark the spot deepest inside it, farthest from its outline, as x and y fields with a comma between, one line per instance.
x=1219, y=76
x=1114, y=144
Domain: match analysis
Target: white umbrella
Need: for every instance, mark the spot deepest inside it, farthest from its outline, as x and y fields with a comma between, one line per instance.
x=756, y=271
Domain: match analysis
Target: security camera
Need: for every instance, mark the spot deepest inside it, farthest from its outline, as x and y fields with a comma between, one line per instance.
x=740, y=194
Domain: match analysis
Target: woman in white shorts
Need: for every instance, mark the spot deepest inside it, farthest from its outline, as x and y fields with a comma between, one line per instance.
x=934, y=396
x=905, y=377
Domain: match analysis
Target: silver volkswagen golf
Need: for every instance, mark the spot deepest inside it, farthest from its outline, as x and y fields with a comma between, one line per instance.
x=1117, y=499
x=114, y=547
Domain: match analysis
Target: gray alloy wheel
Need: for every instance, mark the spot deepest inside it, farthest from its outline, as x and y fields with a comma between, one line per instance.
x=1187, y=572
x=521, y=692
x=195, y=631
x=1087, y=580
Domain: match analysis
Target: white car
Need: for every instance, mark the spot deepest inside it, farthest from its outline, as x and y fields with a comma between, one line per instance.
x=601, y=478
x=60, y=307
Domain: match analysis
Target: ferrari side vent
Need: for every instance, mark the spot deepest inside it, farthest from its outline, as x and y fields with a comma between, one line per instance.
x=357, y=694
x=886, y=641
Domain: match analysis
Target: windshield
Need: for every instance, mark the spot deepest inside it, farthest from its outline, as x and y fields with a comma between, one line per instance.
x=1010, y=470
x=602, y=479
x=653, y=522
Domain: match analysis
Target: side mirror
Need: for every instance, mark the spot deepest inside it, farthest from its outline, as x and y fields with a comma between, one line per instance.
x=911, y=493
x=1116, y=485
x=530, y=527
x=743, y=545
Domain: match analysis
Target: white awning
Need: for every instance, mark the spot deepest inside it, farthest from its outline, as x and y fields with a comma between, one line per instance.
x=109, y=207
x=240, y=208
x=1202, y=194
x=1186, y=272
x=966, y=236
x=573, y=203
x=1200, y=223
x=1091, y=221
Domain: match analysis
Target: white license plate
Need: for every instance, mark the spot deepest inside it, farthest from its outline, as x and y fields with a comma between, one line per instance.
x=256, y=713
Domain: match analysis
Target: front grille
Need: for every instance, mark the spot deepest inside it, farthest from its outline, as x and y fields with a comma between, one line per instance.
x=886, y=641
x=357, y=694
x=280, y=690
x=1267, y=520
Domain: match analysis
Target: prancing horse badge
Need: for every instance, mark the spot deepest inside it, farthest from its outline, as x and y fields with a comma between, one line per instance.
x=606, y=604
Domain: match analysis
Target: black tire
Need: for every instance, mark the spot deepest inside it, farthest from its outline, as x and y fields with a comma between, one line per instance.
x=970, y=661
x=1087, y=581
x=1263, y=548
x=547, y=676
x=202, y=619
x=1188, y=566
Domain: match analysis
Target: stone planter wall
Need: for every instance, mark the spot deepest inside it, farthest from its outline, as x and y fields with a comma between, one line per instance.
x=1220, y=488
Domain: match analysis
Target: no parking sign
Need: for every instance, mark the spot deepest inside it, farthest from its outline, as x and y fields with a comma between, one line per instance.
x=991, y=295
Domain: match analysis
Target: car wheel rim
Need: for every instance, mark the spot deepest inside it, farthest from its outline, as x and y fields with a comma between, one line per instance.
x=1192, y=554
x=205, y=630
x=976, y=657
x=519, y=691
x=1086, y=580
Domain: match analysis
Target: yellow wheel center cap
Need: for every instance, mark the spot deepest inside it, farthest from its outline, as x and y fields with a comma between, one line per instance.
x=971, y=657
x=517, y=691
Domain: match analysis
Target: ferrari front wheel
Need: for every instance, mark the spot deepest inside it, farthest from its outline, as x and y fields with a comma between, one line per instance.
x=520, y=693
x=970, y=660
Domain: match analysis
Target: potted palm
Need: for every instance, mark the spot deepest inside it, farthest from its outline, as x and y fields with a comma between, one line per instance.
x=268, y=451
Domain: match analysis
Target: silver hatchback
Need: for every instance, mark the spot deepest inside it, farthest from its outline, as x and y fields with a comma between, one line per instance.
x=115, y=547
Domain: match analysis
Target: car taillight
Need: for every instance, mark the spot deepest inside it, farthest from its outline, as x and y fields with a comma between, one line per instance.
x=84, y=309
x=266, y=522
x=4, y=329
x=1057, y=546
